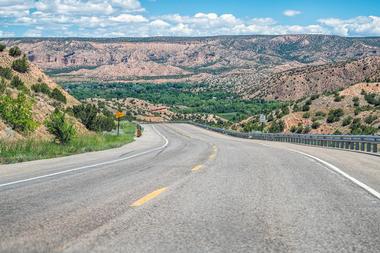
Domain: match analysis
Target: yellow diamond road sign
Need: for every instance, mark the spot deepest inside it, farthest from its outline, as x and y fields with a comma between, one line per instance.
x=119, y=115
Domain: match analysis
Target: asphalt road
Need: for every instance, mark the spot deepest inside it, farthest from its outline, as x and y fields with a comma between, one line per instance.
x=184, y=189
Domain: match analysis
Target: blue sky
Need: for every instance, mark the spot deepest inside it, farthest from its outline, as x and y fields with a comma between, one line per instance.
x=119, y=18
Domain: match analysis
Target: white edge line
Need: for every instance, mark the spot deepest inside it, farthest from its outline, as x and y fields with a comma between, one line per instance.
x=337, y=170
x=92, y=165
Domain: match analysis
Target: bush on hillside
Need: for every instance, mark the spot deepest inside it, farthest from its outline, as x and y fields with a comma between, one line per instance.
x=277, y=126
x=6, y=73
x=306, y=115
x=21, y=65
x=18, y=113
x=15, y=51
x=315, y=125
x=41, y=88
x=88, y=115
x=57, y=125
x=3, y=85
x=104, y=123
x=19, y=84
x=320, y=114
x=2, y=47
x=58, y=95
x=334, y=115
x=346, y=121
x=370, y=119
x=372, y=99
x=356, y=101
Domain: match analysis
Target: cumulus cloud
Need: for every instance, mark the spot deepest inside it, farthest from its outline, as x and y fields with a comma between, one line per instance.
x=127, y=18
x=291, y=13
x=358, y=26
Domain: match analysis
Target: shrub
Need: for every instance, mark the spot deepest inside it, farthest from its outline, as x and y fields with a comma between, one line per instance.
x=58, y=95
x=306, y=130
x=277, y=126
x=88, y=115
x=3, y=85
x=104, y=123
x=18, y=112
x=315, y=125
x=370, y=118
x=320, y=114
x=305, y=107
x=18, y=84
x=346, y=121
x=57, y=125
x=356, y=101
x=337, y=98
x=306, y=115
x=293, y=129
x=334, y=115
x=372, y=99
x=337, y=132
x=2, y=47
x=6, y=73
x=15, y=51
x=21, y=65
x=314, y=97
x=41, y=88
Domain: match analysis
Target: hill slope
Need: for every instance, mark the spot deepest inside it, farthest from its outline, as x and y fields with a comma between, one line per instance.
x=42, y=104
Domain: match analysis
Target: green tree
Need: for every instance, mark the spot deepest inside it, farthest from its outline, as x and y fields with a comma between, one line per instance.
x=21, y=65
x=15, y=51
x=19, y=84
x=18, y=112
x=3, y=85
x=58, y=95
x=6, y=73
x=86, y=113
x=57, y=125
x=334, y=115
x=41, y=88
x=2, y=47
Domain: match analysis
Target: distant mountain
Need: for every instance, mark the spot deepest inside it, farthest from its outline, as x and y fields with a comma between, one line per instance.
x=251, y=66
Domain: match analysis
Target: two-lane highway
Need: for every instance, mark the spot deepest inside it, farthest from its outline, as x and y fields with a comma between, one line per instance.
x=184, y=189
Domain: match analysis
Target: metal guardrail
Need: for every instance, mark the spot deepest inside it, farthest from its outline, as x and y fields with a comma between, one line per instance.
x=359, y=143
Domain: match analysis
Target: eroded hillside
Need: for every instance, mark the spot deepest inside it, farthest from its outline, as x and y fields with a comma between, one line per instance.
x=241, y=64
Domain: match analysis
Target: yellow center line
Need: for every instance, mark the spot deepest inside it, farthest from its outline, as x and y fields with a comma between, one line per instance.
x=197, y=167
x=148, y=197
x=213, y=153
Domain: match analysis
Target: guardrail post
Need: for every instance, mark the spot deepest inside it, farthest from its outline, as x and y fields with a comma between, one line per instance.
x=352, y=145
x=368, y=147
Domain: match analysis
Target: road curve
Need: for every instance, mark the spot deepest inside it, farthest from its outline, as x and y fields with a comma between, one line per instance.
x=184, y=189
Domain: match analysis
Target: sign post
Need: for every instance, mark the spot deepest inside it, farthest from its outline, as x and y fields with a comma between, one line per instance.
x=118, y=116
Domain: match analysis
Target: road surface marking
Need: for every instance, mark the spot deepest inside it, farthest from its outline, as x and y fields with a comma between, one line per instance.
x=148, y=197
x=92, y=165
x=197, y=167
x=213, y=153
x=339, y=171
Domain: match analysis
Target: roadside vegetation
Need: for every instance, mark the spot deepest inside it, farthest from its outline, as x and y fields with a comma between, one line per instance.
x=31, y=149
x=62, y=131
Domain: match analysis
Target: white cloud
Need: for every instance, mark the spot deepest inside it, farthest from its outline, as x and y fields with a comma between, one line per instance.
x=4, y=34
x=124, y=18
x=159, y=23
x=33, y=33
x=128, y=18
x=291, y=13
x=359, y=26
